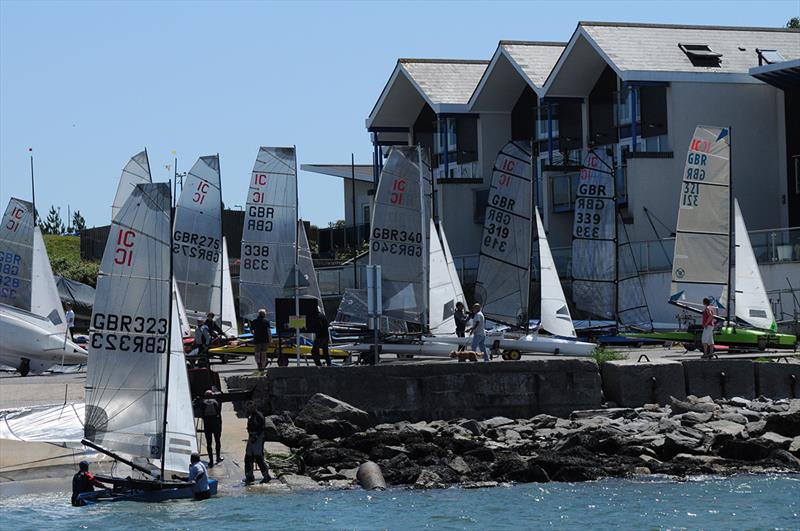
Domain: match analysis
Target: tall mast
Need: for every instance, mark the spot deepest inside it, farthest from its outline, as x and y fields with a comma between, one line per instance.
x=296, y=259
x=530, y=258
x=221, y=245
x=356, y=240
x=425, y=226
x=730, y=224
x=169, y=355
x=33, y=188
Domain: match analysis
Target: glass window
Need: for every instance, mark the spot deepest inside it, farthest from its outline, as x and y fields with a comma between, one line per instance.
x=479, y=212
x=562, y=193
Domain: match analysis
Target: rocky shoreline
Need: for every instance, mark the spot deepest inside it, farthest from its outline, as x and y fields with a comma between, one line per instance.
x=327, y=441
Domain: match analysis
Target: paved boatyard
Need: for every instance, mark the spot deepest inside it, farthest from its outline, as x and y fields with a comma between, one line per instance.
x=39, y=467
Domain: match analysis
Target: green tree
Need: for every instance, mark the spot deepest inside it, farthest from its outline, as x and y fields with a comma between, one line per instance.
x=793, y=22
x=78, y=223
x=53, y=223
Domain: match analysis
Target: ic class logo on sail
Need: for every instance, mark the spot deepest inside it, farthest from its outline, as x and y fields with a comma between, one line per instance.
x=15, y=219
x=259, y=217
x=397, y=196
x=123, y=254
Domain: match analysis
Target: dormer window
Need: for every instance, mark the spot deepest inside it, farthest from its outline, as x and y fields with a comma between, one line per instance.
x=768, y=57
x=700, y=54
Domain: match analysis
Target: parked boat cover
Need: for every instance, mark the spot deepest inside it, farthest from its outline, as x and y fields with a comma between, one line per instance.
x=16, y=252
x=126, y=381
x=136, y=171
x=555, y=316
x=503, y=283
x=702, y=246
x=751, y=302
x=45, y=300
x=269, y=234
x=80, y=295
x=197, y=238
x=399, y=234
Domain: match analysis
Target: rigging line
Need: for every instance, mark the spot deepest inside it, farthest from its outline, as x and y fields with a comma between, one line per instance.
x=510, y=212
x=511, y=264
x=292, y=169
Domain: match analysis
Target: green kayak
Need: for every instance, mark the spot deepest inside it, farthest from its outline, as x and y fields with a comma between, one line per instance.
x=731, y=336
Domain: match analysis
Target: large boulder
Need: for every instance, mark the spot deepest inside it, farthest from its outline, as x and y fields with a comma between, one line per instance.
x=786, y=424
x=319, y=412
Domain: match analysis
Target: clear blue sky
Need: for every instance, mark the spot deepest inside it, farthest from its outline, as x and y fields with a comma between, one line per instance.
x=88, y=84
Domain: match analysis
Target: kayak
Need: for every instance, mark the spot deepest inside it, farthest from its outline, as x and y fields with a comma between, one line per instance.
x=731, y=336
x=246, y=348
x=149, y=491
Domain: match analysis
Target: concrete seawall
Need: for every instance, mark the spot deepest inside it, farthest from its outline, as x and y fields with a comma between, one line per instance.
x=521, y=389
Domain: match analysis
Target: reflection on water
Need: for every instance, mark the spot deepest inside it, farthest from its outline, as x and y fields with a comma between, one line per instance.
x=710, y=503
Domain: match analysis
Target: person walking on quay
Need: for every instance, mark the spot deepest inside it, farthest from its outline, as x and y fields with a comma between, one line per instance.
x=262, y=336
x=461, y=319
x=212, y=425
x=322, y=337
x=84, y=481
x=708, y=330
x=478, y=331
x=254, y=451
x=198, y=477
x=70, y=315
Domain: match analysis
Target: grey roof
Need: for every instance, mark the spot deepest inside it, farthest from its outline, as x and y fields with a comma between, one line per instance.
x=363, y=172
x=654, y=47
x=536, y=59
x=445, y=81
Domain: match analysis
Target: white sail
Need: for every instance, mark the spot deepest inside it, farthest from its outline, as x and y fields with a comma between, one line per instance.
x=16, y=251
x=751, y=302
x=554, y=316
x=183, y=320
x=136, y=171
x=398, y=238
x=197, y=238
x=593, y=245
x=268, y=237
x=229, y=325
x=442, y=298
x=702, y=245
x=126, y=380
x=451, y=268
x=181, y=435
x=503, y=283
x=306, y=264
x=45, y=300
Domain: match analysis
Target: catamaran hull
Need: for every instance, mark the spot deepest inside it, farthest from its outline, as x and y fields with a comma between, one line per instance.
x=530, y=344
x=139, y=495
x=728, y=336
x=27, y=346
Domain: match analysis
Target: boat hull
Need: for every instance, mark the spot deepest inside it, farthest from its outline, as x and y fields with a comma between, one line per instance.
x=728, y=336
x=248, y=349
x=124, y=493
x=530, y=344
x=414, y=349
x=26, y=338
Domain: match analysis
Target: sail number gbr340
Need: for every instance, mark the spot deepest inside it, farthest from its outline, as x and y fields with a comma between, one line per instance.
x=396, y=242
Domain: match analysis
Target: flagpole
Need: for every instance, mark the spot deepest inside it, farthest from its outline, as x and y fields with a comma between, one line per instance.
x=33, y=188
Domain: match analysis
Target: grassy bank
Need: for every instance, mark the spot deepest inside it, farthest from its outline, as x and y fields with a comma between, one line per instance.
x=65, y=259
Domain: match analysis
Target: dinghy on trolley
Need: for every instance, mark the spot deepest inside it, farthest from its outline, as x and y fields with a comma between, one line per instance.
x=138, y=404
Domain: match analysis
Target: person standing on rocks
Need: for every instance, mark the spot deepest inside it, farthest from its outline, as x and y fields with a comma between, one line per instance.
x=254, y=451
x=212, y=425
x=478, y=331
x=262, y=335
x=708, y=330
x=461, y=319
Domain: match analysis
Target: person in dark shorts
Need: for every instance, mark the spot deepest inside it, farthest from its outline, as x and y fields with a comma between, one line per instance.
x=212, y=425
x=254, y=451
x=322, y=337
x=262, y=336
x=83, y=481
x=461, y=317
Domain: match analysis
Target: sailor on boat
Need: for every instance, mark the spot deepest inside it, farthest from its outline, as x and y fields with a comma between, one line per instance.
x=198, y=477
x=84, y=481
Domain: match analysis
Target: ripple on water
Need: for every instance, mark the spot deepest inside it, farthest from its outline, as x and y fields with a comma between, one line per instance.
x=711, y=503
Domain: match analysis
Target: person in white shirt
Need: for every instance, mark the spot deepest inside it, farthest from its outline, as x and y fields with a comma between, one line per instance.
x=198, y=476
x=70, y=321
x=478, y=331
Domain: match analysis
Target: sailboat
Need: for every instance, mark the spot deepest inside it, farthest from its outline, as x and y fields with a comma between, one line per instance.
x=199, y=248
x=504, y=266
x=605, y=279
x=138, y=404
x=709, y=221
x=32, y=321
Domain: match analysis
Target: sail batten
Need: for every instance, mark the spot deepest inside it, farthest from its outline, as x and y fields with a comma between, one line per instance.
x=270, y=231
x=503, y=282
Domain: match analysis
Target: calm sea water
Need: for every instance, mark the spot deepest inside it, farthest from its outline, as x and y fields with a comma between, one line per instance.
x=741, y=502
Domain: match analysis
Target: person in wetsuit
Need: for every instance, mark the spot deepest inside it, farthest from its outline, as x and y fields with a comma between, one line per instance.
x=83, y=481
x=212, y=425
x=254, y=451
